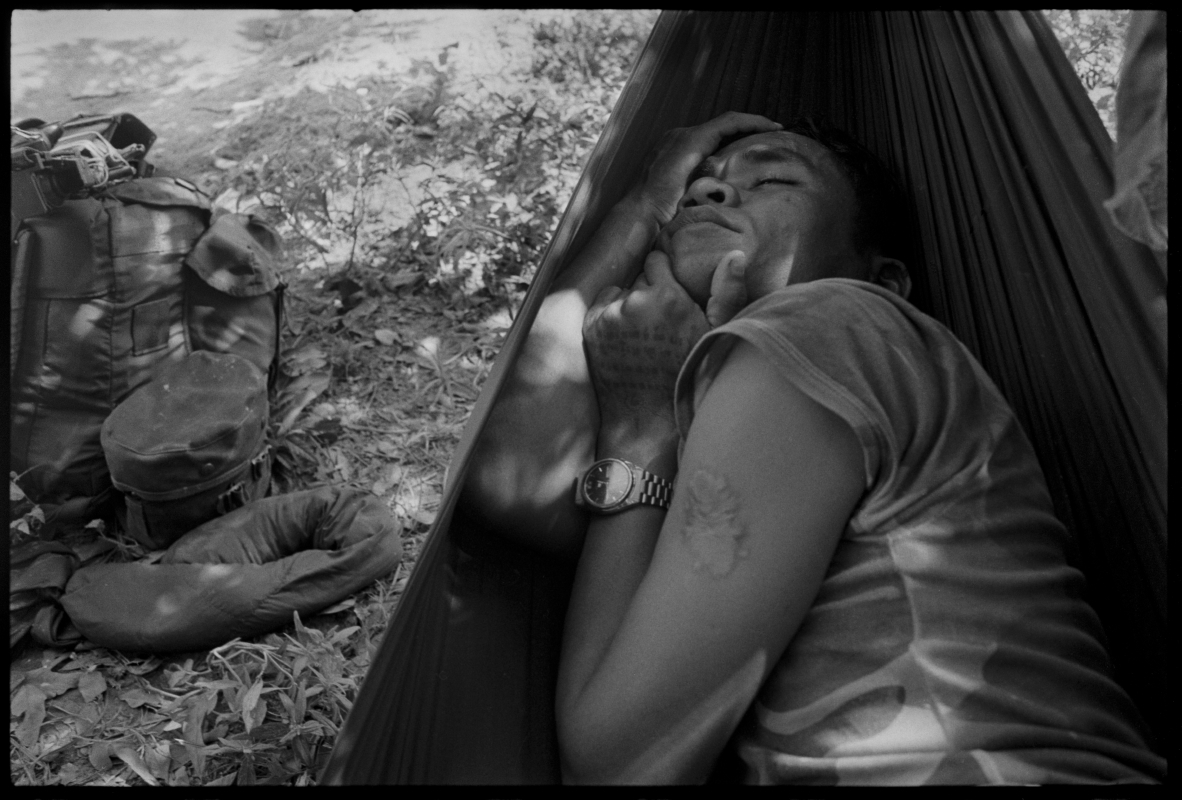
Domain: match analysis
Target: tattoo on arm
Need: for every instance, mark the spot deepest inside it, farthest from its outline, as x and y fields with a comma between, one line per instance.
x=713, y=528
x=625, y=368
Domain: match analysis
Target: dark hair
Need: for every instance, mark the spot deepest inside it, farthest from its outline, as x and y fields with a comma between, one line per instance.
x=880, y=221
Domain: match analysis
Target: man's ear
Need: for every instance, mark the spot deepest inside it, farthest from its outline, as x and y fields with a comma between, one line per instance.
x=891, y=274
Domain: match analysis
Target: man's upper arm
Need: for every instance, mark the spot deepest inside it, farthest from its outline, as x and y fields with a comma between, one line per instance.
x=766, y=485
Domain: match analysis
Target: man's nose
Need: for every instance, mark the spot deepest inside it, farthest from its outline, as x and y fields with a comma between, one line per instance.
x=709, y=191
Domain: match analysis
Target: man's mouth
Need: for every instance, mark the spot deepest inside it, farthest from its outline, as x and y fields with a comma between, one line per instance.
x=693, y=215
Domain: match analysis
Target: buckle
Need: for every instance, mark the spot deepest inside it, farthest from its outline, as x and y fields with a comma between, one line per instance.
x=232, y=498
x=256, y=463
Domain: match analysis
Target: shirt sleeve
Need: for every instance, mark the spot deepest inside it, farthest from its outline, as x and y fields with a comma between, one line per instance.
x=898, y=378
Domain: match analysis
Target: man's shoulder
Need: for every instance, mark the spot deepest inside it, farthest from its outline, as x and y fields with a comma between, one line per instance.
x=835, y=295
x=841, y=312
x=864, y=351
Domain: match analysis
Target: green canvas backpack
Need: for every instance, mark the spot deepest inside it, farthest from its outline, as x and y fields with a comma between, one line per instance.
x=112, y=285
x=188, y=446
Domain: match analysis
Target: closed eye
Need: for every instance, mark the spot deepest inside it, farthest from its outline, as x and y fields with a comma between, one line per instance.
x=785, y=181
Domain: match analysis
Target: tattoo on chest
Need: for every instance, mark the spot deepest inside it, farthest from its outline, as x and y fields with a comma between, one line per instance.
x=713, y=526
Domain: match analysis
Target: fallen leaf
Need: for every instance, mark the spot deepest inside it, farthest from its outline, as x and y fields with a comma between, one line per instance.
x=258, y=715
x=225, y=780
x=303, y=390
x=138, y=697
x=301, y=749
x=50, y=682
x=68, y=774
x=343, y=634
x=133, y=760
x=199, y=707
x=269, y=731
x=145, y=666
x=30, y=701
x=424, y=517
x=337, y=608
x=158, y=760
x=385, y=336
x=249, y=701
x=100, y=756
x=305, y=359
x=85, y=714
x=245, y=773
x=216, y=685
x=404, y=277
x=89, y=551
x=92, y=685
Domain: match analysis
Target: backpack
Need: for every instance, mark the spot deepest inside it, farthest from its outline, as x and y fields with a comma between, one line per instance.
x=112, y=285
x=189, y=446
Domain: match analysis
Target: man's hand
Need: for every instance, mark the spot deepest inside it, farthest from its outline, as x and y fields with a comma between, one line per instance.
x=636, y=341
x=728, y=288
x=683, y=149
x=544, y=429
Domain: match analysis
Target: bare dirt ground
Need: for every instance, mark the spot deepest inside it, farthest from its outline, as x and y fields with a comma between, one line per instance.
x=415, y=162
x=190, y=75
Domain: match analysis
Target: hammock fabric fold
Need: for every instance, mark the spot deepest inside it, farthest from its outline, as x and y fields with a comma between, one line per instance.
x=1008, y=164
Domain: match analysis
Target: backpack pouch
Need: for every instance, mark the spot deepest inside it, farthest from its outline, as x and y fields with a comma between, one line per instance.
x=188, y=437
x=233, y=295
x=157, y=524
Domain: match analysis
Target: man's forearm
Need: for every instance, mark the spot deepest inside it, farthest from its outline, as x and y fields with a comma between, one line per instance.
x=615, y=557
x=541, y=432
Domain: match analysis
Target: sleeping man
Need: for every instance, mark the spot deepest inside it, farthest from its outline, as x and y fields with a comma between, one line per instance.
x=812, y=539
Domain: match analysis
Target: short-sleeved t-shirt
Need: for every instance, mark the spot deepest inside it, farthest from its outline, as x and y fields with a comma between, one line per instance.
x=948, y=642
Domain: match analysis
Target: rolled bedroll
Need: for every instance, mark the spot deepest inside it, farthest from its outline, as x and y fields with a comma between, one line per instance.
x=1008, y=164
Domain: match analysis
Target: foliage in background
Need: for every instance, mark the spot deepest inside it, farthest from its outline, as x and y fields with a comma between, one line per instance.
x=464, y=187
x=1094, y=41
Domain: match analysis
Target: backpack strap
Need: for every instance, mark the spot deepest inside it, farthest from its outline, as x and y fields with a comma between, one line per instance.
x=243, y=491
x=273, y=370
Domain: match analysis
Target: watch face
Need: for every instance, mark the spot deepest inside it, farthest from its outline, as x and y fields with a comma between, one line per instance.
x=607, y=483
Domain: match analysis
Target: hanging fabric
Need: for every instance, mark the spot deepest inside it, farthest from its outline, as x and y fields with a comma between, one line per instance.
x=1008, y=163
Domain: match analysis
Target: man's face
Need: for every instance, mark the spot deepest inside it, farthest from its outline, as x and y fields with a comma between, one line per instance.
x=782, y=199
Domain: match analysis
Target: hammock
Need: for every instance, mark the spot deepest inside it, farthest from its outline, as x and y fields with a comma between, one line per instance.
x=1008, y=163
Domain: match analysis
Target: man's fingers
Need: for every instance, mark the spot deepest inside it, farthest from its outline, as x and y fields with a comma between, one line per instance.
x=731, y=123
x=658, y=270
x=734, y=122
x=603, y=302
x=606, y=295
x=728, y=289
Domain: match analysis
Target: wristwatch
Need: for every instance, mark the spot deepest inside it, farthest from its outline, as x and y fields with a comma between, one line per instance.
x=612, y=485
